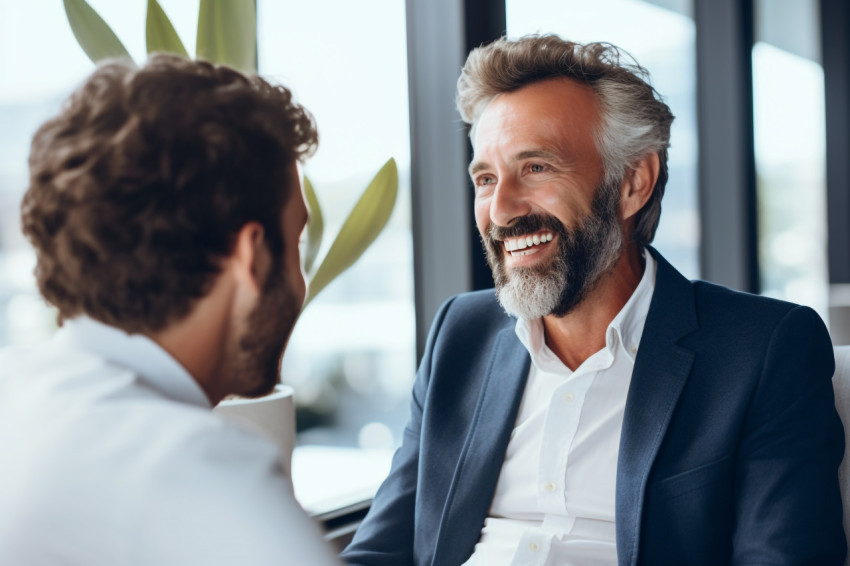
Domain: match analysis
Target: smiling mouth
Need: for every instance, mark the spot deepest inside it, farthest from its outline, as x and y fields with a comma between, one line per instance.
x=526, y=245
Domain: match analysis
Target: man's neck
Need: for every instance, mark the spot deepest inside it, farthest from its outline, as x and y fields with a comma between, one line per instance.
x=581, y=333
x=200, y=340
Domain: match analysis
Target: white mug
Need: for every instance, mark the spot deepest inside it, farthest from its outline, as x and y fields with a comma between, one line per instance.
x=273, y=415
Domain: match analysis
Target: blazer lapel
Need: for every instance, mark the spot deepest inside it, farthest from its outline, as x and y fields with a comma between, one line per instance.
x=483, y=452
x=661, y=370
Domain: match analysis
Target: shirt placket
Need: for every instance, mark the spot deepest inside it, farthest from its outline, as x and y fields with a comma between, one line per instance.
x=562, y=421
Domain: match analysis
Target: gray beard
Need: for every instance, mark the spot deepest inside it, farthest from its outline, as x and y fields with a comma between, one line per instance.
x=530, y=295
x=584, y=255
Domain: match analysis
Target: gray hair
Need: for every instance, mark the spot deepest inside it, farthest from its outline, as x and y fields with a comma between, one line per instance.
x=635, y=121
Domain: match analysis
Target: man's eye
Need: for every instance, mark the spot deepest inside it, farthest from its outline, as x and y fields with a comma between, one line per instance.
x=537, y=168
x=486, y=180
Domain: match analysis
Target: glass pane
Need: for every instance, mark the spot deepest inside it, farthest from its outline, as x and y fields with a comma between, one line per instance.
x=790, y=146
x=670, y=58
x=352, y=355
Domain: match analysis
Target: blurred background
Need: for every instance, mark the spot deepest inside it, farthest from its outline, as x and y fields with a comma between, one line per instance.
x=757, y=197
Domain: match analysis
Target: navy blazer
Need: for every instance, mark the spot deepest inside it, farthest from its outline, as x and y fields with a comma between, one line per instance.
x=729, y=449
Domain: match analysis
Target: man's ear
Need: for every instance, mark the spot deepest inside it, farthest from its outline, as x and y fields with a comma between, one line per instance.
x=251, y=258
x=638, y=185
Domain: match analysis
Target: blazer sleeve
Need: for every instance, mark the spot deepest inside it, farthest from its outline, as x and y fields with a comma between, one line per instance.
x=386, y=535
x=788, y=503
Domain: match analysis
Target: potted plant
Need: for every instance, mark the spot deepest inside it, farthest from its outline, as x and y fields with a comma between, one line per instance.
x=227, y=34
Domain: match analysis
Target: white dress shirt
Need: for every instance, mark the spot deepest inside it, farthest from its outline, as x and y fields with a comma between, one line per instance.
x=110, y=455
x=554, y=500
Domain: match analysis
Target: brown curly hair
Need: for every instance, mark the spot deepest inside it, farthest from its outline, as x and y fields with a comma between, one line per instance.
x=140, y=184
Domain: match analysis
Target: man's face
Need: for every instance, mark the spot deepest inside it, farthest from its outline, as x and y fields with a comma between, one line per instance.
x=538, y=176
x=270, y=323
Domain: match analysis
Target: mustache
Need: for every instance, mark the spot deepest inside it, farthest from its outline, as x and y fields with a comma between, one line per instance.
x=525, y=225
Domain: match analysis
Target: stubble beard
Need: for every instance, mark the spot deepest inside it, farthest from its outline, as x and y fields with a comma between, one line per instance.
x=260, y=350
x=584, y=254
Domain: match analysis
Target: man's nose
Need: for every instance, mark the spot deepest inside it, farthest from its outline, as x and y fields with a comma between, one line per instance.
x=509, y=202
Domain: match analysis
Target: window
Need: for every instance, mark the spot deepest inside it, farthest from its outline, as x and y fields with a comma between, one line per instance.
x=351, y=357
x=40, y=64
x=790, y=150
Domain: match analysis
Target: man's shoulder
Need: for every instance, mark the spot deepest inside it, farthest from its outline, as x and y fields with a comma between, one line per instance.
x=479, y=310
x=30, y=358
x=468, y=322
x=716, y=302
x=86, y=438
x=481, y=303
x=716, y=317
x=41, y=378
x=734, y=321
x=73, y=403
x=157, y=478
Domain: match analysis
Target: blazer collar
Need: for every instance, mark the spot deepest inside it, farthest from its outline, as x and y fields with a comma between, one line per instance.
x=661, y=370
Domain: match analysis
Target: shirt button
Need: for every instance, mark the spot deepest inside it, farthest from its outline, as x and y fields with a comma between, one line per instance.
x=569, y=396
x=549, y=486
x=533, y=547
x=634, y=349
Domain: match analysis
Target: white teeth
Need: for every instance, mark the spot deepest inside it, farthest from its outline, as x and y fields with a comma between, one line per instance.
x=527, y=241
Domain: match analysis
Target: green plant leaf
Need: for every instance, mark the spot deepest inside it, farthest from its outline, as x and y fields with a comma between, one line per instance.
x=227, y=33
x=368, y=218
x=315, y=227
x=93, y=34
x=160, y=34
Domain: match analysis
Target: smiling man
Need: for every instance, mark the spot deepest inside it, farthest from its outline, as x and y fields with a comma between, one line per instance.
x=599, y=408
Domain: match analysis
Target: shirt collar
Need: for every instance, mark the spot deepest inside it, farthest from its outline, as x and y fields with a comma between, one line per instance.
x=624, y=331
x=629, y=322
x=136, y=352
